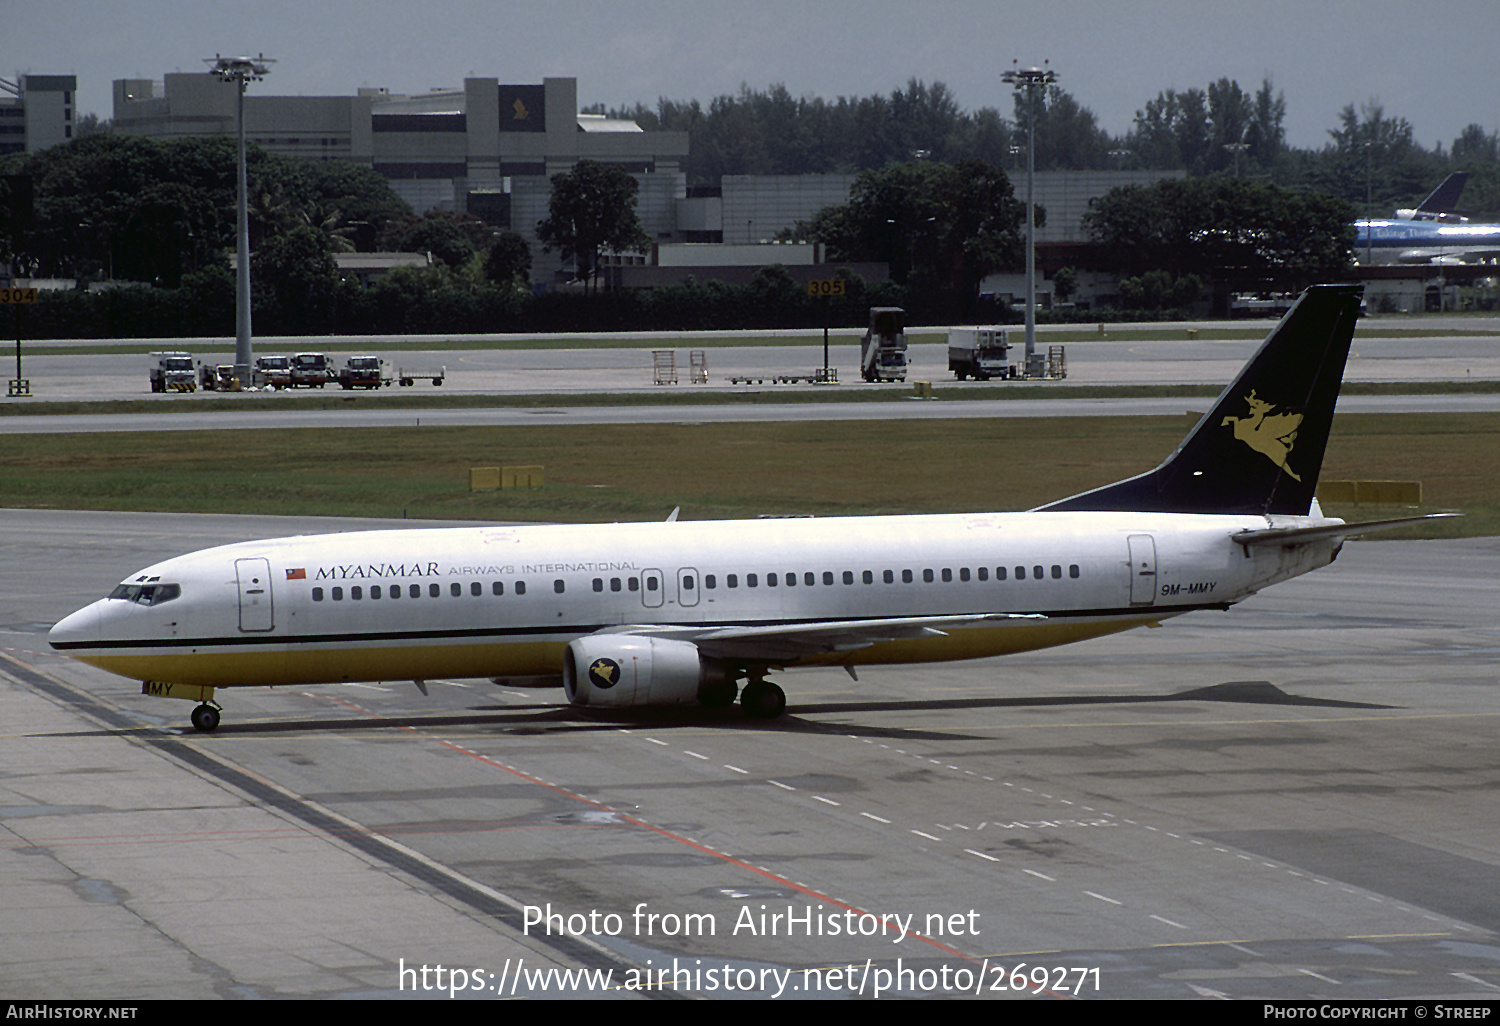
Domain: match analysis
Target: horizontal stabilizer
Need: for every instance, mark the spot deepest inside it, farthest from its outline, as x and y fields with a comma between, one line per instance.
x=1293, y=535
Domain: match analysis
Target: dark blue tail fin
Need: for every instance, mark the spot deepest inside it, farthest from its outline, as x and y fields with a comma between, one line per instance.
x=1442, y=200
x=1260, y=447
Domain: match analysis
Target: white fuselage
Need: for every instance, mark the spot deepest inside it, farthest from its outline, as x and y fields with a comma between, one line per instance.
x=506, y=601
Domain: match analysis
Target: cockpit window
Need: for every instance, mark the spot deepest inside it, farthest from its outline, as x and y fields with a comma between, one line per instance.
x=147, y=594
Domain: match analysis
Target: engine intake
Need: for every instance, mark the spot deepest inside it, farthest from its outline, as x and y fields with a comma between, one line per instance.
x=622, y=670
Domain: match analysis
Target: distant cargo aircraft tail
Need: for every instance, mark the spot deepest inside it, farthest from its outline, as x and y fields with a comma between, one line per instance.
x=1260, y=447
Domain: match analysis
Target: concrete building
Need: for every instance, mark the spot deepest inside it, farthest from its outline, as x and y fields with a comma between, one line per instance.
x=36, y=111
x=488, y=148
x=491, y=149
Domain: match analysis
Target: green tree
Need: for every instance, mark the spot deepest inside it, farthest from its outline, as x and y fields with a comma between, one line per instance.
x=1068, y=135
x=1375, y=156
x=1238, y=235
x=448, y=237
x=296, y=279
x=592, y=209
x=1265, y=135
x=939, y=227
x=1065, y=283
x=130, y=207
x=509, y=261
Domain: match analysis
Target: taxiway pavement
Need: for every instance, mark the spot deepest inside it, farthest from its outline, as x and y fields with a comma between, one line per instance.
x=1294, y=799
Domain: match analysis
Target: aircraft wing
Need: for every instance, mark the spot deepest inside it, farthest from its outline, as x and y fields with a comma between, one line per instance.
x=1453, y=255
x=774, y=643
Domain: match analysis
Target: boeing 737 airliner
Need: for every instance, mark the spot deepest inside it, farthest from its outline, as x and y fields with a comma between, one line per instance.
x=670, y=613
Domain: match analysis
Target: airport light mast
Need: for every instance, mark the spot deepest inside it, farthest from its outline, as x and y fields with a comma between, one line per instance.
x=1033, y=81
x=241, y=70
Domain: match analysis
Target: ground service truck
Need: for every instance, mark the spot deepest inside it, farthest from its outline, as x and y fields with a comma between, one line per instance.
x=882, y=351
x=979, y=353
x=173, y=372
x=362, y=372
x=311, y=370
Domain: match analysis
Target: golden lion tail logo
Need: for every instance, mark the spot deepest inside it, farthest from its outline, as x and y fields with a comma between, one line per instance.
x=1271, y=436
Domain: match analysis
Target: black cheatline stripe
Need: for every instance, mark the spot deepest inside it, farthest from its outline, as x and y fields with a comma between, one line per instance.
x=501, y=633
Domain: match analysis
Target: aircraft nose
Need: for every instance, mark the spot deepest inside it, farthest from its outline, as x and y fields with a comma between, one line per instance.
x=80, y=628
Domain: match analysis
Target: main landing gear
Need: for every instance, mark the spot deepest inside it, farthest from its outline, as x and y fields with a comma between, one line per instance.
x=760, y=699
x=205, y=717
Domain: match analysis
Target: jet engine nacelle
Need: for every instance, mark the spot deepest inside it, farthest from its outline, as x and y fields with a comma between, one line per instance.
x=622, y=670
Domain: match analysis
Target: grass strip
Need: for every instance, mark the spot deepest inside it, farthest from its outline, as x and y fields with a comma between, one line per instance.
x=640, y=472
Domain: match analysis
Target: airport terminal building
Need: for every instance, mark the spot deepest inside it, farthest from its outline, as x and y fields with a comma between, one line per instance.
x=490, y=149
x=36, y=111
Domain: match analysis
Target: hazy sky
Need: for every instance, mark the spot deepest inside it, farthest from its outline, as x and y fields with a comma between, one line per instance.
x=1435, y=63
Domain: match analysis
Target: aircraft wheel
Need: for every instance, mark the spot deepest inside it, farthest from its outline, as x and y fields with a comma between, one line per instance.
x=205, y=718
x=763, y=700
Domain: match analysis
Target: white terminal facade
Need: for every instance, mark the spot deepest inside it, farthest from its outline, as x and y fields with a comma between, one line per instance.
x=36, y=111
x=491, y=149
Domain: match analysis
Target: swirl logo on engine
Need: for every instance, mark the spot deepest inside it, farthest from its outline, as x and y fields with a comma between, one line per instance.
x=604, y=673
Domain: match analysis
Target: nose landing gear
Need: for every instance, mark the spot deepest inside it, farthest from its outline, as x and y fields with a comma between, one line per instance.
x=205, y=717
